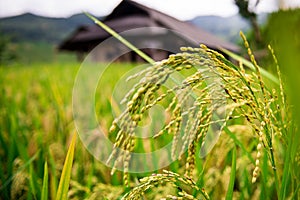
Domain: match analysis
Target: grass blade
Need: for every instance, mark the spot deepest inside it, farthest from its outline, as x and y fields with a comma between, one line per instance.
x=66, y=173
x=53, y=178
x=286, y=169
x=229, y=194
x=265, y=191
x=121, y=39
x=33, y=182
x=45, y=183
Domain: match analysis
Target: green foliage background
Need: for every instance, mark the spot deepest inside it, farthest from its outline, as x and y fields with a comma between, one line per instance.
x=283, y=33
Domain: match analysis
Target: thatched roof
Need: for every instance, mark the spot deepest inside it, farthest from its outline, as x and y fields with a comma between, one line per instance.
x=129, y=15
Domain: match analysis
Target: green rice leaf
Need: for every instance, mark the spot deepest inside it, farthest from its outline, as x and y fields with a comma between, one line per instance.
x=33, y=182
x=121, y=39
x=286, y=169
x=45, y=183
x=66, y=173
x=229, y=194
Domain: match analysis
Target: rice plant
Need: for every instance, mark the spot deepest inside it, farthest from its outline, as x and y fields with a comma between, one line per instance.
x=248, y=101
x=244, y=98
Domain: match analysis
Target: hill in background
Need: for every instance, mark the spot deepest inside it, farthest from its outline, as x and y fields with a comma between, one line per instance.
x=30, y=27
x=35, y=38
x=33, y=28
x=227, y=28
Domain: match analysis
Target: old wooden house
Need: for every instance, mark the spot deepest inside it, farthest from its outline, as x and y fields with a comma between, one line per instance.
x=154, y=32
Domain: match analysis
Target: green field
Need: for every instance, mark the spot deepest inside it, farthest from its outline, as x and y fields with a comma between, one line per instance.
x=37, y=126
x=257, y=155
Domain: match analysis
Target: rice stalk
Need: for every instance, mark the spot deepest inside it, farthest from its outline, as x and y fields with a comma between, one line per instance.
x=176, y=181
x=247, y=97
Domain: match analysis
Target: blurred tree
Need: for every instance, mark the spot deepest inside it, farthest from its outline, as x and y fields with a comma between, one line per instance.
x=6, y=54
x=248, y=13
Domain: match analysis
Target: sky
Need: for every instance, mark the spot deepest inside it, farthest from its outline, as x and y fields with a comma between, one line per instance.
x=181, y=9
